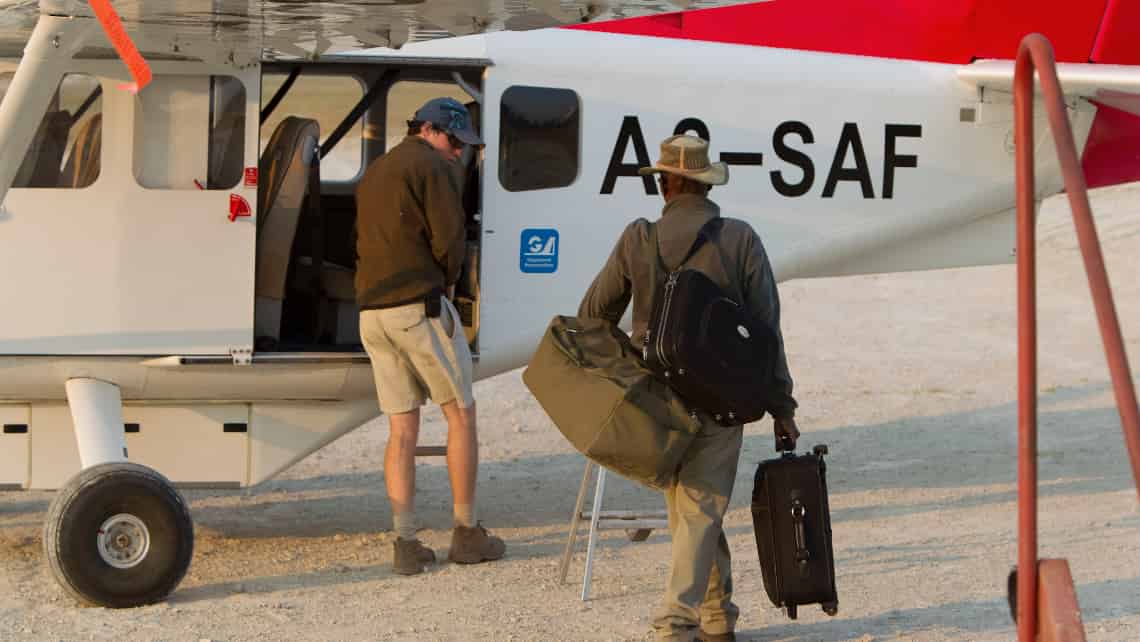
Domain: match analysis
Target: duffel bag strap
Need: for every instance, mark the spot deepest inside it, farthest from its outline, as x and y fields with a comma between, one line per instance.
x=656, y=266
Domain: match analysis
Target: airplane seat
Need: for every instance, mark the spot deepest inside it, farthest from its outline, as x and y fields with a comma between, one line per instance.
x=41, y=165
x=284, y=176
x=82, y=166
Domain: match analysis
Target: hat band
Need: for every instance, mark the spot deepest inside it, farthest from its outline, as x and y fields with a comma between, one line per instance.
x=689, y=167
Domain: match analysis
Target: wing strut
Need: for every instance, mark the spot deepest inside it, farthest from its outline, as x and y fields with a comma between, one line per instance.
x=279, y=94
x=381, y=85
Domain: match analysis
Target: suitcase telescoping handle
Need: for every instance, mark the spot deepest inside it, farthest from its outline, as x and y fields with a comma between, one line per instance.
x=798, y=514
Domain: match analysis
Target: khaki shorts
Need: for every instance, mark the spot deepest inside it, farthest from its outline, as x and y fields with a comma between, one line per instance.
x=414, y=357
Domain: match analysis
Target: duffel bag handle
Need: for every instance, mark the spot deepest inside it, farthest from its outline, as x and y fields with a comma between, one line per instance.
x=606, y=341
x=568, y=346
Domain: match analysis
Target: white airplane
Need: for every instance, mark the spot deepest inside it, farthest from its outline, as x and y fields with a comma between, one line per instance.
x=177, y=268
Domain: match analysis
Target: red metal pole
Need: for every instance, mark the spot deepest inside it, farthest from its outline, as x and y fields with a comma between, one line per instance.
x=1026, y=348
x=1036, y=52
x=1099, y=286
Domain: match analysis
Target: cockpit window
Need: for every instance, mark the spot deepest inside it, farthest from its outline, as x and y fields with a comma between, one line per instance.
x=539, y=138
x=65, y=150
x=190, y=133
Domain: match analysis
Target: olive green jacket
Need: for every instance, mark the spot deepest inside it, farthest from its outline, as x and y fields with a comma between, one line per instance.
x=626, y=275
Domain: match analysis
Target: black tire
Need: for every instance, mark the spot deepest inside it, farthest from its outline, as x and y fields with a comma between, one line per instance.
x=84, y=506
x=638, y=534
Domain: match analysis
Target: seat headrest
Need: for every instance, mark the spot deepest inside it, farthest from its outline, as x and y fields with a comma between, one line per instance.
x=82, y=166
x=294, y=141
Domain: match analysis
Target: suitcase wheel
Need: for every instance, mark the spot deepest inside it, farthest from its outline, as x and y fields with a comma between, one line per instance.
x=831, y=608
x=791, y=610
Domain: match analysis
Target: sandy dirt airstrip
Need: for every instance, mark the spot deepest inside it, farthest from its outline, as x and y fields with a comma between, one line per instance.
x=909, y=378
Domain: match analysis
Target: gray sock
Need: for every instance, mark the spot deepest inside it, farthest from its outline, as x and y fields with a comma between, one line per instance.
x=465, y=515
x=405, y=524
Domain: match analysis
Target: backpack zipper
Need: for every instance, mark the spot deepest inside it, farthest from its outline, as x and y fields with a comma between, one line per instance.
x=669, y=286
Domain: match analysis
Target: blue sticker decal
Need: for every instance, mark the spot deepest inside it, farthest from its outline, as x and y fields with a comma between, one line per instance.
x=538, y=253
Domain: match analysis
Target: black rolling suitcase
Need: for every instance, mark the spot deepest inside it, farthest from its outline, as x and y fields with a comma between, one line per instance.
x=705, y=345
x=793, y=531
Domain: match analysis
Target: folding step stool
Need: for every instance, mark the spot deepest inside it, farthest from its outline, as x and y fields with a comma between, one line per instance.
x=602, y=519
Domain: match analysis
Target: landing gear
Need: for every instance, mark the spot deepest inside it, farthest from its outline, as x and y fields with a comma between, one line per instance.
x=119, y=535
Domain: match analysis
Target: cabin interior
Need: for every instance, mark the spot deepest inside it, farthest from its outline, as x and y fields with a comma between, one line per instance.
x=321, y=124
x=352, y=113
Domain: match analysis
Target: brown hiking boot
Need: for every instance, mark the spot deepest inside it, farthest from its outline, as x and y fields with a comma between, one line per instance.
x=411, y=557
x=471, y=545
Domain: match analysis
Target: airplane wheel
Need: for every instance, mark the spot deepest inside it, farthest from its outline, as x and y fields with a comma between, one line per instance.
x=119, y=535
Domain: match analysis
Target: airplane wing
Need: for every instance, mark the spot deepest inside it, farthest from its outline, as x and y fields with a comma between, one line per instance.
x=1112, y=154
x=1117, y=86
x=287, y=28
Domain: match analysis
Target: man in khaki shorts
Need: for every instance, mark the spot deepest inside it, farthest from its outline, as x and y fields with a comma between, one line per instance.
x=410, y=244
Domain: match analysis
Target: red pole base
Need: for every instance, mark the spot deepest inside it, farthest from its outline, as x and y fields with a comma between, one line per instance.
x=1058, y=613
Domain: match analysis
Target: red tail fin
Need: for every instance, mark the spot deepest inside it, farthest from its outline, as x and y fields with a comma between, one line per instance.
x=1112, y=154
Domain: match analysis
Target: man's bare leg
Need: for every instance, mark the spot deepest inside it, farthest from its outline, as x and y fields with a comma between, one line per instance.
x=462, y=459
x=400, y=470
x=470, y=543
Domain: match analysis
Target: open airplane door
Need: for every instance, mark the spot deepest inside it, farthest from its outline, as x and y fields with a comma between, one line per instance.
x=130, y=226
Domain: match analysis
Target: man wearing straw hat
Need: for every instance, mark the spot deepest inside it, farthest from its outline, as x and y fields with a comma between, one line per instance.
x=698, y=597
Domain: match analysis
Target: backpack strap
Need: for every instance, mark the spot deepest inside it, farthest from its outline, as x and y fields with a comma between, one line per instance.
x=728, y=269
x=657, y=264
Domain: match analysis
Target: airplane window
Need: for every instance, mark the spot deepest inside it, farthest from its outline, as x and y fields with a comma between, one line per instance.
x=538, y=138
x=190, y=133
x=65, y=150
x=327, y=100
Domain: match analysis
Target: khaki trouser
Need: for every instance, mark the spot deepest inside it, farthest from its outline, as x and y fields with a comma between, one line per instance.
x=699, y=592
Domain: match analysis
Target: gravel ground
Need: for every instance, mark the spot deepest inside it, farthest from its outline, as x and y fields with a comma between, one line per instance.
x=910, y=379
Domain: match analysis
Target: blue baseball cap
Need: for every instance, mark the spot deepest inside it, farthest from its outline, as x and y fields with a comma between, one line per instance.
x=451, y=116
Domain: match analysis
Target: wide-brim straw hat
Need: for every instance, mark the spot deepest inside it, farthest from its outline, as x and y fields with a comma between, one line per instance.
x=688, y=156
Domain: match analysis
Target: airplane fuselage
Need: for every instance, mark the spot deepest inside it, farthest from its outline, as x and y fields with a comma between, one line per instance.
x=146, y=277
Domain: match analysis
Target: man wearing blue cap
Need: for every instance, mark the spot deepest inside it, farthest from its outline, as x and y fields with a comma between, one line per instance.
x=410, y=247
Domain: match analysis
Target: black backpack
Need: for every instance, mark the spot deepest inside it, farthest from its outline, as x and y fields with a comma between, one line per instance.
x=704, y=344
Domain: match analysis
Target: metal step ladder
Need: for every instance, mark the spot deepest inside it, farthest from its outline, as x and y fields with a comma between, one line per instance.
x=638, y=524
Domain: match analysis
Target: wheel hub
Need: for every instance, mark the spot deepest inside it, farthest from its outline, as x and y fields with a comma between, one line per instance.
x=123, y=541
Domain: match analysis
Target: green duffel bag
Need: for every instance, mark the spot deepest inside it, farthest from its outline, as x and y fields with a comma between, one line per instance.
x=589, y=379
